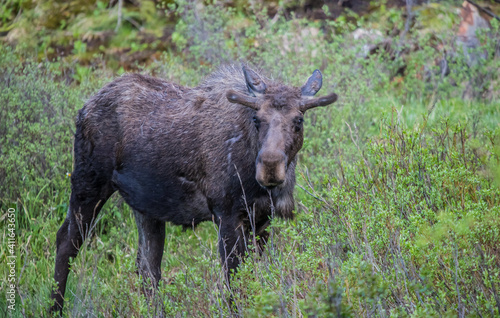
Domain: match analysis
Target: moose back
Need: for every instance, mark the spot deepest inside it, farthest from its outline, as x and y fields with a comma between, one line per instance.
x=218, y=152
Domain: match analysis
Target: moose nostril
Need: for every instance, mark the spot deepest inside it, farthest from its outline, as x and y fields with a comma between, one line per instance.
x=272, y=184
x=277, y=182
x=272, y=159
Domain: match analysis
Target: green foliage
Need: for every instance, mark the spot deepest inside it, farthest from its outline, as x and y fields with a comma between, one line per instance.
x=398, y=197
x=36, y=121
x=8, y=11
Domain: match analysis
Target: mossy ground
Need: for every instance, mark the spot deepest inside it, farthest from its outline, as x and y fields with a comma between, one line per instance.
x=398, y=195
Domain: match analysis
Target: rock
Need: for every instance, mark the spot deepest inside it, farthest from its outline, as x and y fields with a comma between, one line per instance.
x=471, y=23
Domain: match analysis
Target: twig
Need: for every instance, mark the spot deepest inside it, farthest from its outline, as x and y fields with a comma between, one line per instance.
x=119, y=22
x=275, y=18
x=461, y=308
x=242, y=188
x=484, y=265
x=134, y=23
x=488, y=12
x=356, y=144
x=409, y=5
x=317, y=198
x=272, y=217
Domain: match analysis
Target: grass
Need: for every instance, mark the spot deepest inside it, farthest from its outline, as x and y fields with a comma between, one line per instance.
x=398, y=196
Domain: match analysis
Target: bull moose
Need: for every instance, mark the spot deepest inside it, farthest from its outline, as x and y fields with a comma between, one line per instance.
x=187, y=155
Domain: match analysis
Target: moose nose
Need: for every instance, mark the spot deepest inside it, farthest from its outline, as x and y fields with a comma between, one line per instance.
x=271, y=169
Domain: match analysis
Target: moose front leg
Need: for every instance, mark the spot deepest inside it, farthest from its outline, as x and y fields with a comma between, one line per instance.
x=150, y=249
x=262, y=234
x=233, y=240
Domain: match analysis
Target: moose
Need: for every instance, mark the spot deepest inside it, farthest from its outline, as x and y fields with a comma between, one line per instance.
x=187, y=155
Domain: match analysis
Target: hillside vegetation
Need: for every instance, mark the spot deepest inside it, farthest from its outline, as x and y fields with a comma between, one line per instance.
x=398, y=194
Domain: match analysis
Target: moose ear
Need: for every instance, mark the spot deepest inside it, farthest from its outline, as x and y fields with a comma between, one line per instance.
x=238, y=98
x=255, y=84
x=313, y=84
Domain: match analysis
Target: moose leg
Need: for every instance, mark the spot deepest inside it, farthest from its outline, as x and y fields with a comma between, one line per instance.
x=232, y=245
x=150, y=250
x=75, y=229
x=263, y=235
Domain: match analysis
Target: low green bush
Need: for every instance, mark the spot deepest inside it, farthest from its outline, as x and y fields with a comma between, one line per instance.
x=398, y=182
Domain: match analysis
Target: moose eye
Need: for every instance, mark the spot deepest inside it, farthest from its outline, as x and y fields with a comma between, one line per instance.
x=256, y=121
x=298, y=123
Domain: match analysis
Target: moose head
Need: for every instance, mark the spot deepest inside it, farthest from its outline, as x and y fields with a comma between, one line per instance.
x=278, y=118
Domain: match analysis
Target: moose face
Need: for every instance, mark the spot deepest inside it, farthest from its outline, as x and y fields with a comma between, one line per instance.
x=279, y=119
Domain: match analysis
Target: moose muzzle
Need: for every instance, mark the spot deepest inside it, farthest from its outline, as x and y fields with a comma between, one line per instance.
x=271, y=168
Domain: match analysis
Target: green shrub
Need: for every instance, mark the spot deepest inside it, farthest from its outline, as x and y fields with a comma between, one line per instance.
x=398, y=182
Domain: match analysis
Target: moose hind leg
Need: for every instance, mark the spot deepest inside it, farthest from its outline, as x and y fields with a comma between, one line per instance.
x=150, y=249
x=76, y=228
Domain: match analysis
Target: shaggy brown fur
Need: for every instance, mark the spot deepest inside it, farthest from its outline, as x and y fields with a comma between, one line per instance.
x=186, y=155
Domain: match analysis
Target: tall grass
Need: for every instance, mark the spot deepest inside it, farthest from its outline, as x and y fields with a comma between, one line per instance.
x=398, y=206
